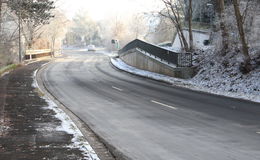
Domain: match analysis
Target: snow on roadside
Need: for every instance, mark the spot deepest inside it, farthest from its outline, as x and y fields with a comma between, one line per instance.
x=68, y=126
x=4, y=74
x=35, y=84
x=5, y=70
x=194, y=84
x=108, y=53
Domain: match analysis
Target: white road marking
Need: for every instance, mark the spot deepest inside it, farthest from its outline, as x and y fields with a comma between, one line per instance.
x=119, y=89
x=258, y=132
x=233, y=107
x=165, y=105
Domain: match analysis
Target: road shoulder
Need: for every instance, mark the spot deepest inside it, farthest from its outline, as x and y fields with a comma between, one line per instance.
x=102, y=149
x=32, y=126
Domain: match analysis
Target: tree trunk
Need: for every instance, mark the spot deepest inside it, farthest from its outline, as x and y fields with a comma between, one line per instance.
x=185, y=44
x=53, y=46
x=190, y=25
x=223, y=28
x=240, y=27
x=179, y=35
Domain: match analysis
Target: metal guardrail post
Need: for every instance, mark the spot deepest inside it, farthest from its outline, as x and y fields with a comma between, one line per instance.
x=184, y=59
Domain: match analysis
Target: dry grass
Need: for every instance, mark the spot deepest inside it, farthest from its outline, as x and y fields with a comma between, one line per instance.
x=8, y=68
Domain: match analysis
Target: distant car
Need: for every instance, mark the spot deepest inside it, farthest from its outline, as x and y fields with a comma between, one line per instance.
x=91, y=47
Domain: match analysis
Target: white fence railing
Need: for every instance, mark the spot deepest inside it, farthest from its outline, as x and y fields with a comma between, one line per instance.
x=30, y=54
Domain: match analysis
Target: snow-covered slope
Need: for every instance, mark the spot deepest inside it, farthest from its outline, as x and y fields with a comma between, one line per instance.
x=222, y=75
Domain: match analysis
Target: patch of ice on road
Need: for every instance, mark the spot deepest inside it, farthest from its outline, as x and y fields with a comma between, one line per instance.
x=68, y=126
x=191, y=84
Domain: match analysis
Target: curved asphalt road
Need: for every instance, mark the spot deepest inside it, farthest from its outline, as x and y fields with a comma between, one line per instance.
x=149, y=120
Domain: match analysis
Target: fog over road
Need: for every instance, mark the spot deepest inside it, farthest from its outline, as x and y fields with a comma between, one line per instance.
x=149, y=120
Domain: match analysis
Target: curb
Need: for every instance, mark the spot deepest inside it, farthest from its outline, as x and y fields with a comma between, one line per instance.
x=146, y=77
x=184, y=87
x=103, y=148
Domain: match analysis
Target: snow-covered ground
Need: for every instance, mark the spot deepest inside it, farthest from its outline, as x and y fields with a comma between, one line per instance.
x=110, y=54
x=5, y=73
x=215, y=81
x=67, y=125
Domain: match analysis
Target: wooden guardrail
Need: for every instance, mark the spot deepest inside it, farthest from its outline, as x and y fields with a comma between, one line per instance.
x=31, y=54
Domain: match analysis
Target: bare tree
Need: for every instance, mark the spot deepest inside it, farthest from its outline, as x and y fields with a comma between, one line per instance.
x=56, y=30
x=2, y=2
x=8, y=36
x=160, y=32
x=190, y=25
x=33, y=14
x=223, y=28
x=174, y=11
x=239, y=20
x=137, y=26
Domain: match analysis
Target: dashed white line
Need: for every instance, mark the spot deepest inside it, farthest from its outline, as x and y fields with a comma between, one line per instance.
x=165, y=105
x=233, y=107
x=116, y=88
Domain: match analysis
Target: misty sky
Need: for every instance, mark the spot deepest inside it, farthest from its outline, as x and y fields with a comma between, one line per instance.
x=100, y=9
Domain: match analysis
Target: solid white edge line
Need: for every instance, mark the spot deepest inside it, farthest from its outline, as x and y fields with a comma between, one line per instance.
x=117, y=88
x=165, y=105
